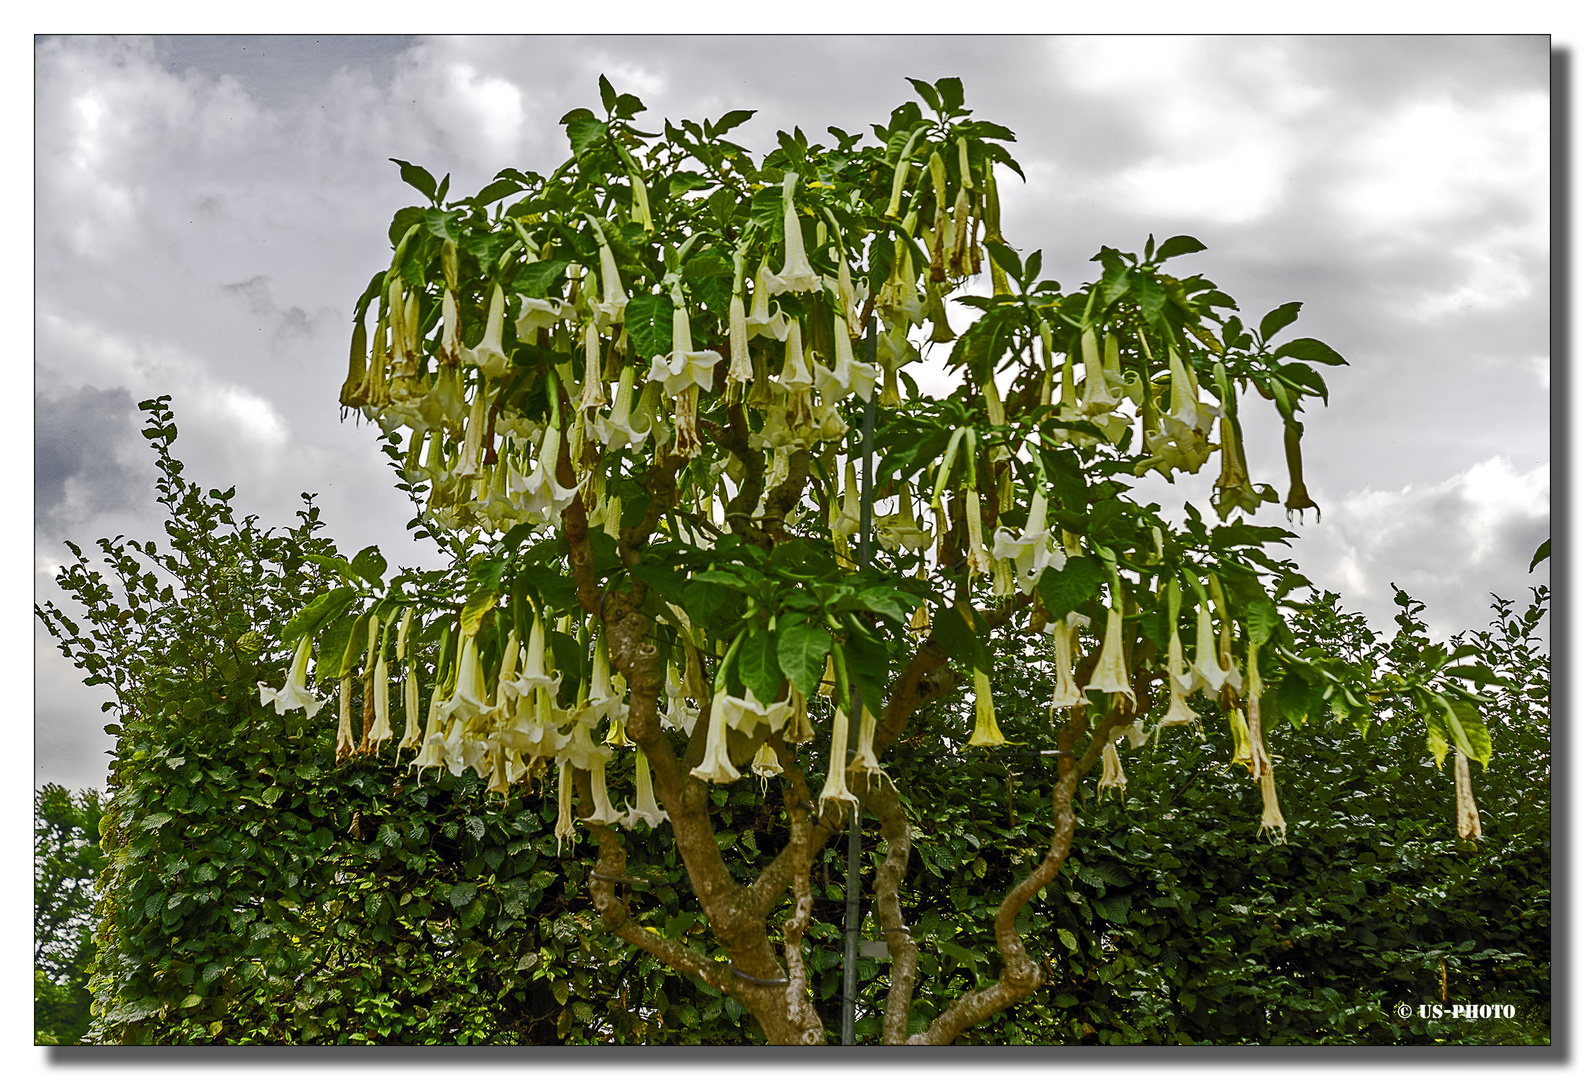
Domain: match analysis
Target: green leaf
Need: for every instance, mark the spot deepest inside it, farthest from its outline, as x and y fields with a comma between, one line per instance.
x=758, y=667
x=369, y=565
x=462, y=894
x=1542, y=552
x=1174, y=246
x=648, y=322
x=1277, y=318
x=418, y=176
x=474, y=610
x=496, y=190
x=537, y=279
x=320, y=610
x=1072, y=587
x=729, y=121
x=1310, y=349
x=928, y=93
x=271, y=793
x=446, y=224
x=583, y=130
x=1262, y=620
x=1468, y=731
x=801, y=650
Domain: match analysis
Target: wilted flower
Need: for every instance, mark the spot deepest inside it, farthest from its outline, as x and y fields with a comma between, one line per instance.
x=294, y=695
x=1468, y=815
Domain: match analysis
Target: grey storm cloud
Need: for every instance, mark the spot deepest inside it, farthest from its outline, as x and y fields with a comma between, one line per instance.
x=81, y=439
x=208, y=208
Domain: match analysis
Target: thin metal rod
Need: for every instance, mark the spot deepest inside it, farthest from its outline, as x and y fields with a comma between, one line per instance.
x=850, y=945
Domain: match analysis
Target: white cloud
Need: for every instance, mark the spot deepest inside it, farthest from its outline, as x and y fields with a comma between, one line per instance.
x=1448, y=543
x=1433, y=159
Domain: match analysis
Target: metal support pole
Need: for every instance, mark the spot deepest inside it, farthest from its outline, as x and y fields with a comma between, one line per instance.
x=850, y=945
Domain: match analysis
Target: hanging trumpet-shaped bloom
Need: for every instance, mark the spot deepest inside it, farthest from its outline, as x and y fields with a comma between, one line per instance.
x=535, y=675
x=565, y=830
x=1240, y=729
x=798, y=729
x=295, y=694
x=765, y=766
x=381, y=731
x=537, y=315
x=901, y=530
x=1112, y=772
x=836, y=786
x=845, y=518
x=1271, y=814
x=487, y=355
x=468, y=698
x=431, y=754
x=1233, y=489
x=1208, y=675
x=1298, y=497
x=1111, y=674
x=647, y=810
x=979, y=559
x=1032, y=550
x=847, y=376
x=618, y=430
x=345, y=744
x=1065, y=692
x=717, y=764
x=760, y=322
x=741, y=370
x=864, y=759
x=685, y=367
x=450, y=329
x=1099, y=397
x=986, y=733
x=604, y=812
x=542, y=497
x=593, y=396
x=411, y=732
x=603, y=699
x=748, y=715
x=609, y=309
x=796, y=275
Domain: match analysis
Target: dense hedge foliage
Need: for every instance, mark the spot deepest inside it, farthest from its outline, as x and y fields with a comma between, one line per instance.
x=258, y=892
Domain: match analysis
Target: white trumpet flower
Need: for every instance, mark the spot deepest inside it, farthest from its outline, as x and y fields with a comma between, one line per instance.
x=295, y=694
x=540, y=315
x=986, y=731
x=748, y=714
x=836, y=786
x=604, y=812
x=1111, y=676
x=1065, y=692
x=847, y=376
x=796, y=275
x=647, y=810
x=717, y=764
x=487, y=355
x=1032, y=550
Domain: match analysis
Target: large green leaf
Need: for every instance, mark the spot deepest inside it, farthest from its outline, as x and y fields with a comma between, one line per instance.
x=648, y=322
x=801, y=650
x=320, y=610
x=758, y=665
x=1070, y=588
x=1277, y=318
x=1309, y=349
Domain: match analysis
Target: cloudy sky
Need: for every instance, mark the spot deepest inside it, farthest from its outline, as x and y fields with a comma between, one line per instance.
x=207, y=210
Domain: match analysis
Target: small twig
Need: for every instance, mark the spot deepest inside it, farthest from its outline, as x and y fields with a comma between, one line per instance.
x=758, y=982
